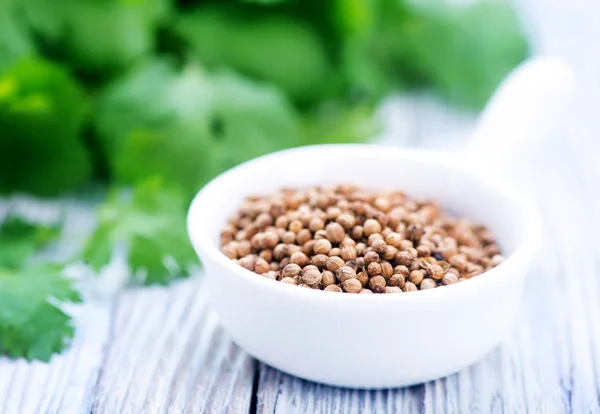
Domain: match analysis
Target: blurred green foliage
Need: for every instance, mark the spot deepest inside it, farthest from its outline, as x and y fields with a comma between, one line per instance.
x=125, y=89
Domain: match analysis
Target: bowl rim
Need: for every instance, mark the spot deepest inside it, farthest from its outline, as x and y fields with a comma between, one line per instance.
x=524, y=249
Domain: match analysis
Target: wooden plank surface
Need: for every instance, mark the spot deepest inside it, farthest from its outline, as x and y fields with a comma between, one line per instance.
x=167, y=353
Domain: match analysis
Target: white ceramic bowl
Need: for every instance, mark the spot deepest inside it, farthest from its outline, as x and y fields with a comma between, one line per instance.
x=368, y=341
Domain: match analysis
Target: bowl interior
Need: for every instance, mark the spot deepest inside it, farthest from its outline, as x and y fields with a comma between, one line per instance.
x=439, y=176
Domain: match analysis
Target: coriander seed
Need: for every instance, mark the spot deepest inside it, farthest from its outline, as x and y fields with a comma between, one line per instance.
x=363, y=278
x=344, y=273
x=322, y=246
x=449, y=278
x=428, y=284
x=435, y=271
x=328, y=278
x=348, y=253
x=335, y=232
x=299, y=258
x=334, y=263
x=261, y=266
x=410, y=287
x=386, y=269
x=312, y=277
x=371, y=226
x=396, y=280
x=295, y=226
x=333, y=288
x=374, y=268
x=351, y=239
x=377, y=284
x=352, y=286
x=416, y=277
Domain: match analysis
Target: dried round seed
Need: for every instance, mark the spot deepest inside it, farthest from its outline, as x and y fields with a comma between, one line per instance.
x=361, y=249
x=363, y=278
x=371, y=226
x=390, y=253
x=303, y=236
x=357, y=232
x=312, y=277
x=403, y=258
x=423, y=250
x=295, y=226
x=405, y=245
x=307, y=248
x=416, y=277
x=347, y=242
x=320, y=234
x=377, y=284
x=299, y=258
x=282, y=222
x=333, y=288
x=366, y=291
x=352, y=286
x=322, y=246
x=243, y=248
x=374, y=268
x=435, y=271
x=396, y=280
x=427, y=284
x=401, y=270
x=316, y=224
x=449, y=278
x=309, y=267
x=335, y=232
x=320, y=260
x=266, y=255
x=414, y=265
x=371, y=257
x=344, y=273
x=289, y=281
x=230, y=250
x=373, y=238
x=393, y=289
x=261, y=266
x=328, y=278
x=409, y=287
x=270, y=275
x=346, y=220
x=393, y=239
x=336, y=251
x=334, y=263
x=348, y=253
x=386, y=269
x=288, y=237
x=379, y=247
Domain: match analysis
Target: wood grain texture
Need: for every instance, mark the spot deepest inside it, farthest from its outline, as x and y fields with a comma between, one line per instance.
x=167, y=354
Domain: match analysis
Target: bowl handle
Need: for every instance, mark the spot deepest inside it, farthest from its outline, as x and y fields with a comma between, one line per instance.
x=521, y=116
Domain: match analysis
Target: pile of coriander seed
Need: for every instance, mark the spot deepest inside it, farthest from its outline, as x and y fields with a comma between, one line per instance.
x=349, y=239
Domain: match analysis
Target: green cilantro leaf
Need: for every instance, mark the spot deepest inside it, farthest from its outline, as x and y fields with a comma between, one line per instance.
x=97, y=36
x=42, y=110
x=278, y=49
x=150, y=224
x=187, y=126
x=32, y=322
x=20, y=239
